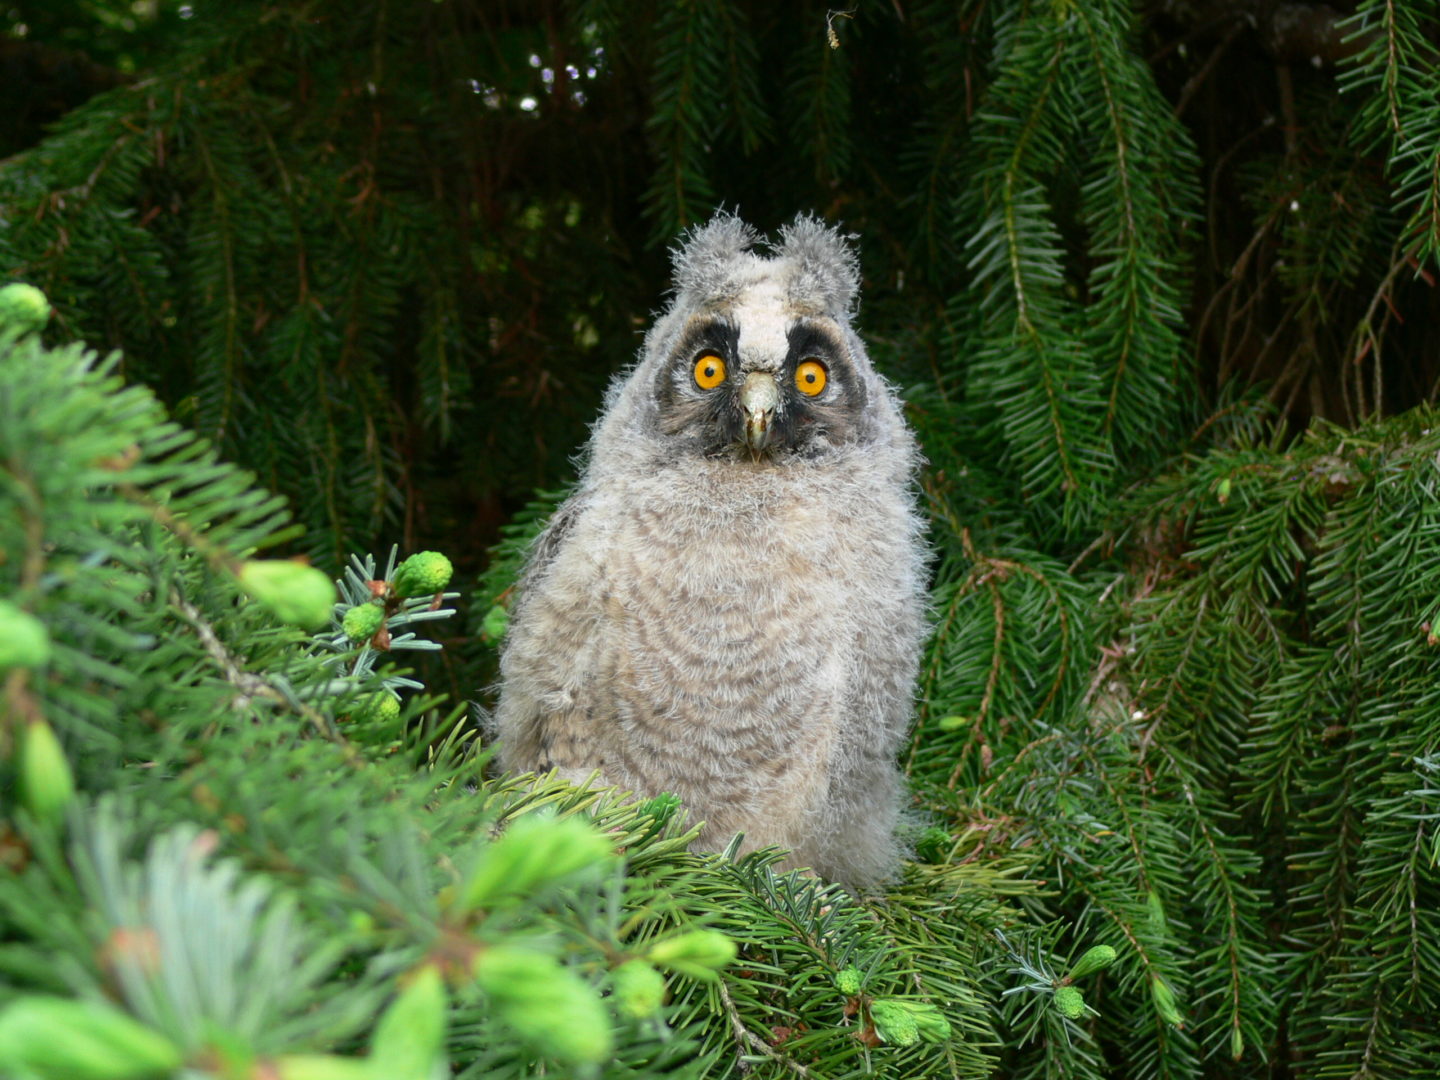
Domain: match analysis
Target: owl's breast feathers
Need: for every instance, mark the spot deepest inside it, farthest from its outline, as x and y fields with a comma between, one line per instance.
x=705, y=630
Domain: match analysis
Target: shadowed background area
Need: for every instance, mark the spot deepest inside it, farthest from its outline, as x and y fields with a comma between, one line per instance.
x=388, y=255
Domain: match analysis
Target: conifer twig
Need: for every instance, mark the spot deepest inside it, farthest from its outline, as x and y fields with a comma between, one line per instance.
x=745, y=1037
x=249, y=685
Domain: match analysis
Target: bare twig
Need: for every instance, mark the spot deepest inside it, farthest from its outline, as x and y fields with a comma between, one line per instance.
x=1195, y=81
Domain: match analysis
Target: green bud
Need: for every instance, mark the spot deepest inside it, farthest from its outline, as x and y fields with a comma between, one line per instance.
x=699, y=954
x=1155, y=909
x=1070, y=1002
x=495, y=623
x=1096, y=958
x=422, y=574
x=381, y=707
x=535, y=852
x=934, y=845
x=24, y=641
x=952, y=723
x=23, y=308
x=545, y=1003
x=47, y=785
x=1222, y=491
x=361, y=622
x=894, y=1023
x=322, y=1067
x=847, y=981
x=293, y=592
x=929, y=1021
x=410, y=1038
x=661, y=807
x=51, y=1038
x=1164, y=999
x=639, y=989
x=1237, y=1044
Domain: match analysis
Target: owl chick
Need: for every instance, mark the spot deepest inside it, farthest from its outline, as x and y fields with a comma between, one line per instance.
x=731, y=605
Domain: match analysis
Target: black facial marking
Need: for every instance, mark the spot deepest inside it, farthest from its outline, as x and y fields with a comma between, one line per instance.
x=715, y=334
x=685, y=408
x=712, y=422
x=806, y=424
x=807, y=340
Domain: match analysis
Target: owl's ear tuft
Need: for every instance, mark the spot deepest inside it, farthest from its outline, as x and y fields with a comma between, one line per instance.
x=827, y=270
x=704, y=257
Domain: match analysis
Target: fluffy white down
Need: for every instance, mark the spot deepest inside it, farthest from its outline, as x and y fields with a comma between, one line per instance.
x=744, y=633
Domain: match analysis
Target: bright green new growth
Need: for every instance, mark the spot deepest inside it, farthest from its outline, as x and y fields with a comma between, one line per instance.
x=1069, y=1002
x=1165, y=1004
x=535, y=853
x=362, y=621
x=295, y=593
x=1096, y=958
x=410, y=1038
x=700, y=954
x=47, y=785
x=49, y=1038
x=24, y=641
x=379, y=707
x=495, y=623
x=638, y=988
x=661, y=807
x=894, y=1023
x=925, y=1021
x=847, y=981
x=422, y=574
x=23, y=308
x=929, y=1021
x=545, y=1003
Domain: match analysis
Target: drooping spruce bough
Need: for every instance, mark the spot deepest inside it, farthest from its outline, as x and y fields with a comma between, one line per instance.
x=1159, y=294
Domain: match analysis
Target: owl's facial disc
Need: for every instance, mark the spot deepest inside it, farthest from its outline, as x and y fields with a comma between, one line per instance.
x=790, y=389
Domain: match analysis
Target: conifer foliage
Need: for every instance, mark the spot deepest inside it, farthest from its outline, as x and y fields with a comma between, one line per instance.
x=1158, y=286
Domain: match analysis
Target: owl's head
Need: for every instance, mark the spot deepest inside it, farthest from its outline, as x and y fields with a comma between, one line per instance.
x=755, y=357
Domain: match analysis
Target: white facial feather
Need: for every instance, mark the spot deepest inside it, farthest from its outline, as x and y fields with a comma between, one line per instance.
x=760, y=312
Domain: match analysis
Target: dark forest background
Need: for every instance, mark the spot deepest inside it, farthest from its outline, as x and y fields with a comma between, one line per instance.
x=1157, y=283
x=389, y=255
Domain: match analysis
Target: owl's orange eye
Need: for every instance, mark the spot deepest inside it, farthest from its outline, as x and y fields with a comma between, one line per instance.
x=810, y=377
x=709, y=371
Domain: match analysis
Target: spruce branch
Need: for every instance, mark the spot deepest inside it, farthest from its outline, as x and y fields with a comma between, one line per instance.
x=248, y=686
x=745, y=1038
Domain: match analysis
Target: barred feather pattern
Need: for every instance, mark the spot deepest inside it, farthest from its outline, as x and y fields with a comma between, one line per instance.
x=740, y=629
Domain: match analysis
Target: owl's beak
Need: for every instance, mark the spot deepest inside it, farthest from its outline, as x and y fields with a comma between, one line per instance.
x=758, y=398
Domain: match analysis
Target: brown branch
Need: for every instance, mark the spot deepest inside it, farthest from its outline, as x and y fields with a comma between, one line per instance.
x=745, y=1037
x=1193, y=84
x=248, y=685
